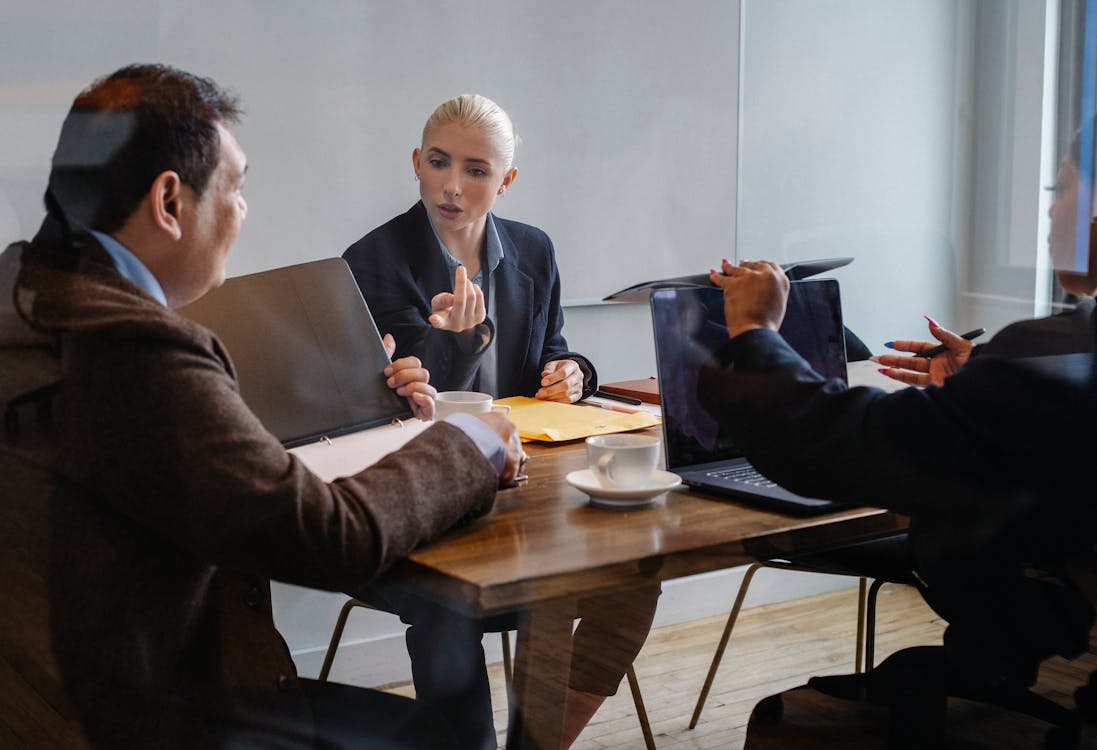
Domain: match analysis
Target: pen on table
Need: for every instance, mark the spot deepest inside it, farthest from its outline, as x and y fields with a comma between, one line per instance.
x=933, y=352
x=618, y=397
x=616, y=407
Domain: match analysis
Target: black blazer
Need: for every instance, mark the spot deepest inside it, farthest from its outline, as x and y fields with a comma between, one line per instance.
x=399, y=268
x=1071, y=331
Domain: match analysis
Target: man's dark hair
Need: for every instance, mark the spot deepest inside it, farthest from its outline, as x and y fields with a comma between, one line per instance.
x=127, y=128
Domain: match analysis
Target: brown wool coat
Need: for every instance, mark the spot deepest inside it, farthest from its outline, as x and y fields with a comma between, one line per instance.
x=141, y=531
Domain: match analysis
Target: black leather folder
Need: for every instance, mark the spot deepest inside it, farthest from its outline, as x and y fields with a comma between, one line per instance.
x=796, y=271
x=307, y=353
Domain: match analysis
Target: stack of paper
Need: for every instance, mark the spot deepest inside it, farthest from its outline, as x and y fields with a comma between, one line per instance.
x=553, y=422
x=347, y=455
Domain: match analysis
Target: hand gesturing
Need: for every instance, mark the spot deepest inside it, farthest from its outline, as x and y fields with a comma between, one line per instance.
x=460, y=310
x=923, y=371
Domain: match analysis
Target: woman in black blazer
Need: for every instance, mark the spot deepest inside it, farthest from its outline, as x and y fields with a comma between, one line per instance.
x=477, y=299
x=474, y=296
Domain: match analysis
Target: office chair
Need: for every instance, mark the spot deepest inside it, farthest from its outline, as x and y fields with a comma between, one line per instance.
x=883, y=559
x=912, y=712
x=508, y=668
x=912, y=686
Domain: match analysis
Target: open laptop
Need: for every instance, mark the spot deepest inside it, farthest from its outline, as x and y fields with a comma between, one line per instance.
x=308, y=355
x=689, y=328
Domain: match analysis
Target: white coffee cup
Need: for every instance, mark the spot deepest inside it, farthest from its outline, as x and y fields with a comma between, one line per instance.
x=465, y=402
x=623, y=461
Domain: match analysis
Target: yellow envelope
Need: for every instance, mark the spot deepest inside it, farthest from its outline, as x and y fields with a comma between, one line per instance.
x=553, y=422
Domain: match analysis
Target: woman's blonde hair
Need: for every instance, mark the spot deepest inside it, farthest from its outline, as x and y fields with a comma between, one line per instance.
x=473, y=110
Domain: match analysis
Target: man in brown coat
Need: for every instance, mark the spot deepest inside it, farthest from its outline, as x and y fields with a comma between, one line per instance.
x=144, y=507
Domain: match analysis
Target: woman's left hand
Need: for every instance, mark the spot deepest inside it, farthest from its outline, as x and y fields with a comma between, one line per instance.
x=410, y=379
x=561, y=380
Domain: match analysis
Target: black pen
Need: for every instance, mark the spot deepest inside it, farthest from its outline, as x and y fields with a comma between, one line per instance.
x=934, y=351
x=617, y=397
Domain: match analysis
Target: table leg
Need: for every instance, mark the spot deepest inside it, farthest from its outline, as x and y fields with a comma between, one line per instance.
x=541, y=668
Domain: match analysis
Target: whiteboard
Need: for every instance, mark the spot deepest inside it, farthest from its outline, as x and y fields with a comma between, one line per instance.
x=626, y=110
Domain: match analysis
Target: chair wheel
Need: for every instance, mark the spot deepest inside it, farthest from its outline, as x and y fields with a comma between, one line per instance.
x=769, y=711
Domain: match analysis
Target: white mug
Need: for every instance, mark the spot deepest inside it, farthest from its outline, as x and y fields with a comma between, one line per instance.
x=623, y=461
x=465, y=402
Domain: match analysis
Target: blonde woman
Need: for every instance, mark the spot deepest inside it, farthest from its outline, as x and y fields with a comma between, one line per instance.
x=477, y=299
x=474, y=296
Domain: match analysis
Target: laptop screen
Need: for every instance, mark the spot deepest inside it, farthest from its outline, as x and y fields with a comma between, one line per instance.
x=689, y=329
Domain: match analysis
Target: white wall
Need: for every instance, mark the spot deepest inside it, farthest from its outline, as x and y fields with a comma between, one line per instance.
x=372, y=650
x=622, y=115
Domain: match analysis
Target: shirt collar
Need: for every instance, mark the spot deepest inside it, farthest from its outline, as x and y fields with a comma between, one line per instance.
x=127, y=264
x=492, y=245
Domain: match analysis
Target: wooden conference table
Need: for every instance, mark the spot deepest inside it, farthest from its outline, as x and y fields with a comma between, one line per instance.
x=544, y=547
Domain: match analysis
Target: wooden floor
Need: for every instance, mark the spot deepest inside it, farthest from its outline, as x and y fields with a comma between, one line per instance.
x=773, y=648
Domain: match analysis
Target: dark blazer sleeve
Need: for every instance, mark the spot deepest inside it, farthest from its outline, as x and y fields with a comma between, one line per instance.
x=995, y=429
x=399, y=270
x=1065, y=333
x=529, y=318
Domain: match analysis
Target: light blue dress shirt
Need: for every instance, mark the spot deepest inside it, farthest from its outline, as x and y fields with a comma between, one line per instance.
x=492, y=245
x=493, y=252
x=127, y=264
x=485, y=438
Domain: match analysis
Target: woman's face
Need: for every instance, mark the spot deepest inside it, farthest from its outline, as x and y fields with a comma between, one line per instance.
x=1062, y=237
x=461, y=171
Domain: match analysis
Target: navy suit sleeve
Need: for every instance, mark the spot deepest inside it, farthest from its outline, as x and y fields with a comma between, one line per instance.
x=530, y=320
x=995, y=429
x=555, y=346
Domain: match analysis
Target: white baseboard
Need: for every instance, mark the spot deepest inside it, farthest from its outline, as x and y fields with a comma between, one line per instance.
x=383, y=659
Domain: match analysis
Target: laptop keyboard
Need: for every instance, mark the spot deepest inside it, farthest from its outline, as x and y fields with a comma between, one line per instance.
x=742, y=475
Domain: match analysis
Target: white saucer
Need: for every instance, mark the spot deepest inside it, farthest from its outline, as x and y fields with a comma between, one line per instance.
x=613, y=497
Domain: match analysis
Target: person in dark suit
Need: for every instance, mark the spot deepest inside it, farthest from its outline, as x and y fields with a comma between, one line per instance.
x=146, y=509
x=992, y=466
x=474, y=296
x=477, y=299
x=991, y=539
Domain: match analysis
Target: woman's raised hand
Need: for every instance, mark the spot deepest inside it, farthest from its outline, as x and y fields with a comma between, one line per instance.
x=461, y=310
